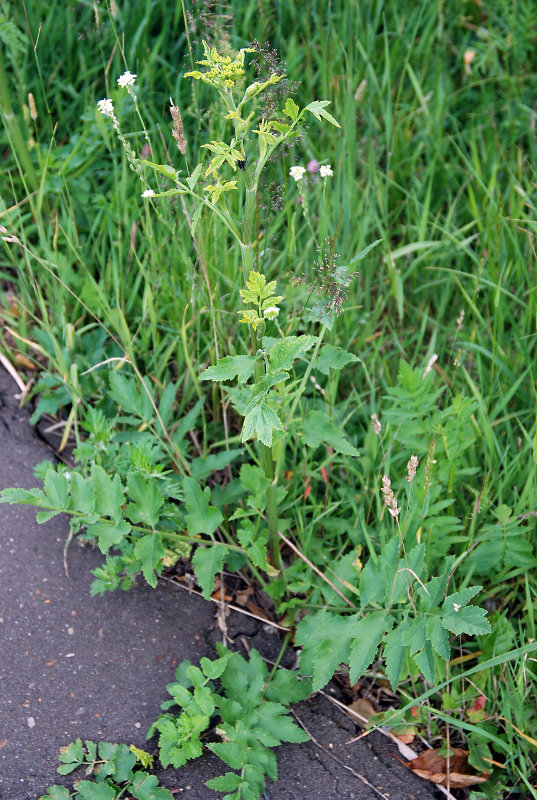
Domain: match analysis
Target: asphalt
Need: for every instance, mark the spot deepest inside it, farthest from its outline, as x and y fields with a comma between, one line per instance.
x=74, y=666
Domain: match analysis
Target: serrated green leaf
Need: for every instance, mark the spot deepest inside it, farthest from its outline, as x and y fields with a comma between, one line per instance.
x=325, y=639
x=201, y=468
x=31, y=497
x=438, y=637
x=56, y=489
x=273, y=727
x=432, y=593
x=332, y=357
x=125, y=393
x=73, y=753
x=123, y=762
x=366, y=636
x=200, y=517
x=196, y=216
x=149, y=550
x=87, y=790
x=82, y=494
x=225, y=783
x=470, y=620
x=318, y=429
x=230, y=753
x=287, y=687
x=164, y=169
x=318, y=109
x=145, y=787
x=261, y=421
x=147, y=498
x=394, y=653
x=214, y=669
x=109, y=496
x=167, y=400
x=207, y=561
x=108, y=533
x=285, y=351
x=425, y=662
x=230, y=367
x=193, y=179
x=56, y=793
x=44, y=516
x=291, y=109
x=415, y=636
x=460, y=598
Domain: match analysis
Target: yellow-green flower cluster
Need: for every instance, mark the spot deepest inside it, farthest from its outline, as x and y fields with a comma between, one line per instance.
x=261, y=294
x=223, y=71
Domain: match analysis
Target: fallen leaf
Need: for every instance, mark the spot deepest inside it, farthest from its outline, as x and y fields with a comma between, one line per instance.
x=431, y=766
x=361, y=711
x=405, y=738
x=243, y=596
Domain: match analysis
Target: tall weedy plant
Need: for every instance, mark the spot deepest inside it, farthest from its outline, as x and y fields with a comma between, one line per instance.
x=247, y=153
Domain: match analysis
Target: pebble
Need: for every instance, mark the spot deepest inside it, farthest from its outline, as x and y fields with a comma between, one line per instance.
x=31, y=722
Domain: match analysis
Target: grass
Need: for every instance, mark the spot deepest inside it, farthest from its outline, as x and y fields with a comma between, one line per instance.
x=433, y=159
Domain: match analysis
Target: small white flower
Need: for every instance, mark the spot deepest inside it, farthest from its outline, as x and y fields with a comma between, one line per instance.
x=106, y=107
x=456, y=607
x=297, y=173
x=127, y=79
x=148, y=193
x=271, y=312
x=326, y=171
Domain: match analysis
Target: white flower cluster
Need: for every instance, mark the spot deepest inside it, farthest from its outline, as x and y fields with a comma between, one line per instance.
x=148, y=193
x=127, y=79
x=106, y=107
x=297, y=173
x=325, y=171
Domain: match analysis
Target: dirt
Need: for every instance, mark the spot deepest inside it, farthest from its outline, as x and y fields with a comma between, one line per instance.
x=96, y=668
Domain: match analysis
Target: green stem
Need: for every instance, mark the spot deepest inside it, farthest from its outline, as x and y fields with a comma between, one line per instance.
x=267, y=459
x=299, y=393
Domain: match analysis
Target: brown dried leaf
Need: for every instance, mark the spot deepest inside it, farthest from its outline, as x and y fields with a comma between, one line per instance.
x=363, y=711
x=243, y=596
x=431, y=766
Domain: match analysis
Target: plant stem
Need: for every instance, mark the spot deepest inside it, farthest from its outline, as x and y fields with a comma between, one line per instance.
x=267, y=459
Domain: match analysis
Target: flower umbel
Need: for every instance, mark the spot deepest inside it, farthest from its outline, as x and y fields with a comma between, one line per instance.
x=148, y=193
x=325, y=171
